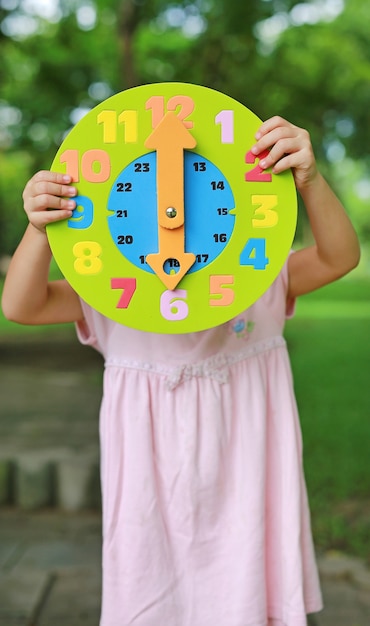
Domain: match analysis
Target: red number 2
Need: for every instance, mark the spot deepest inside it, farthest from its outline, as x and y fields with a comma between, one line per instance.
x=257, y=174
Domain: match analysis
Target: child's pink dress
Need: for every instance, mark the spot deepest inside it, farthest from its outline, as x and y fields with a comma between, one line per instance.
x=205, y=516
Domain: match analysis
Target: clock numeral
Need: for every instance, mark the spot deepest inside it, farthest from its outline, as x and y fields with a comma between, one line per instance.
x=109, y=121
x=129, y=119
x=122, y=239
x=221, y=291
x=87, y=255
x=202, y=258
x=128, y=286
x=254, y=254
x=157, y=105
x=122, y=213
x=226, y=120
x=223, y=211
x=220, y=237
x=71, y=159
x=200, y=166
x=83, y=214
x=217, y=184
x=265, y=209
x=95, y=165
x=257, y=174
x=122, y=187
x=173, y=306
x=141, y=167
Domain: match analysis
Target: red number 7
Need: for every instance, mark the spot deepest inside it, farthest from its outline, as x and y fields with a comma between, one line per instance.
x=128, y=285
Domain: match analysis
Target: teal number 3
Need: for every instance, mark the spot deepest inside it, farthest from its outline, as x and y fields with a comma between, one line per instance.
x=254, y=253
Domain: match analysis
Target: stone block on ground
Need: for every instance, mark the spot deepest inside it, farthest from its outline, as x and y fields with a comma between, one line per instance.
x=338, y=566
x=6, y=474
x=33, y=482
x=78, y=483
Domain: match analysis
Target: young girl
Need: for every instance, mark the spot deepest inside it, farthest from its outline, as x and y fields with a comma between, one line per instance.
x=205, y=515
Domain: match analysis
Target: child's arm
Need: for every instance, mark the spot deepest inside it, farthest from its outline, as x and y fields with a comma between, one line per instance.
x=336, y=250
x=28, y=296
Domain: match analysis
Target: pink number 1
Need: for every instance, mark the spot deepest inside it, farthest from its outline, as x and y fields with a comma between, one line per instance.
x=226, y=119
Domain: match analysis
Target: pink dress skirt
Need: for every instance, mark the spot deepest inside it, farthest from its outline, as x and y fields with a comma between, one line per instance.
x=205, y=514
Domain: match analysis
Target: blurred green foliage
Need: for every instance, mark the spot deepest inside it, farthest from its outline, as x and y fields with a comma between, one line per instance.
x=307, y=61
x=330, y=357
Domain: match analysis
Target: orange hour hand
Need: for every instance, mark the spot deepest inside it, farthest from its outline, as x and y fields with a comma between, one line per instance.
x=170, y=138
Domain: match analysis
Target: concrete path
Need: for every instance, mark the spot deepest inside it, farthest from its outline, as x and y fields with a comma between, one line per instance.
x=50, y=569
x=50, y=574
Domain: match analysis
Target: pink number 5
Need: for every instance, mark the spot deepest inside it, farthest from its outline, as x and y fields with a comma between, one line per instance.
x=128, y=286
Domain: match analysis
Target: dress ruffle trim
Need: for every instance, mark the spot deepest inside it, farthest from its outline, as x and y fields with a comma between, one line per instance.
x=215, y=367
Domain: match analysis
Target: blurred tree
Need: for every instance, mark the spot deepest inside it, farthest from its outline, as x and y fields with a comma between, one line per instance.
x=318, y=75
x=308, y=61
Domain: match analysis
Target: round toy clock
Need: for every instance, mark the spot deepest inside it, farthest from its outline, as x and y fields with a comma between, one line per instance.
x=176, y=228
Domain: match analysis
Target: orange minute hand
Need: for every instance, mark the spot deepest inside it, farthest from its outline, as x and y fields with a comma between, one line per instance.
x=169, y=139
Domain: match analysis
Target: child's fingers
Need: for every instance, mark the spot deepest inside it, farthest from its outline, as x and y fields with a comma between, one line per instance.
x=43, y=188
x=48, y=183
x=52, y=177
x=44, y=177
x=49, y=196
x=43, y=202
x=271, y=124
x=46, y=208
x=290, y=148
x=272, y=138
x=53, y=189
x=48, y=192
x=41, y=219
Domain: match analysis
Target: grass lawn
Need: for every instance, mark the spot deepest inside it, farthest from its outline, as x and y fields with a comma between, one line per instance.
x=329, y=343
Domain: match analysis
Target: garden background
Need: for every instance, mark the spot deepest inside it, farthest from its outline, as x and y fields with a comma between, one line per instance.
x=306, y=61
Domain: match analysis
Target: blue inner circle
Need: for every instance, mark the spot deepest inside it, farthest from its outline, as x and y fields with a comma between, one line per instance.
x=208, y=200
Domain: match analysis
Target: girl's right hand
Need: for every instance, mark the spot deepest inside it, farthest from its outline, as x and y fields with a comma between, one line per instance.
x=47, y=198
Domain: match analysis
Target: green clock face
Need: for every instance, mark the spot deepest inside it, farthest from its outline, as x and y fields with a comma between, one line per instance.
x=177, y=228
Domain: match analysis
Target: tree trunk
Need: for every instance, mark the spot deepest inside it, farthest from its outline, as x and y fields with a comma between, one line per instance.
x=128, y=21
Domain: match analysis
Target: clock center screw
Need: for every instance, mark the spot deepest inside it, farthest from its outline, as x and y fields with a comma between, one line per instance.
x=171, y=212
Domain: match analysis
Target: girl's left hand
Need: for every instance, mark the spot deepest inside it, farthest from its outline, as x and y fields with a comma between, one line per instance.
x=289, y=147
